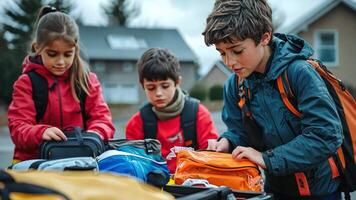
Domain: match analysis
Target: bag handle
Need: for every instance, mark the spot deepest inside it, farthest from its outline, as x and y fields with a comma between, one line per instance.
x=78, y=134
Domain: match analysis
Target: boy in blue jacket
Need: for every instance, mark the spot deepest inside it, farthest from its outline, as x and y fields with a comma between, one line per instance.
x=294, y=152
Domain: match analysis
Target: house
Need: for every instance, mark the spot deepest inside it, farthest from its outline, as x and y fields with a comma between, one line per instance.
x=331, y=30
x=112, y=53
x=217, y=75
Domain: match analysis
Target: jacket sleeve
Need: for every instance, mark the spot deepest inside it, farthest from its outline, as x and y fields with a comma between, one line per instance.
x=320, y=134
x=98, y=113
x=134, y=128
x=25, y=133
x=205, y=127
x=231, y=115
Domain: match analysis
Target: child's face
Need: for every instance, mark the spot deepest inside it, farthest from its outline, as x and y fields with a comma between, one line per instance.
x=244, y=57
x=160, y=93
x=58, y=56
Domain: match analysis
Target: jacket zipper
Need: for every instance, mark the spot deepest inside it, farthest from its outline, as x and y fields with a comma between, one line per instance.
x=271, y=117
x=60, y=104
x=224, y=168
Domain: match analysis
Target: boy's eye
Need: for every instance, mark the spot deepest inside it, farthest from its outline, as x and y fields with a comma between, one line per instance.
x=237, y=52
x=150, y=88
x=165, y=86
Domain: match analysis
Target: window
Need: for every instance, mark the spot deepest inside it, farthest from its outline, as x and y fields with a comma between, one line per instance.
x=127, y=67
x=326, y=46
x=124, y=93
x=125, y=42
x=99, y=67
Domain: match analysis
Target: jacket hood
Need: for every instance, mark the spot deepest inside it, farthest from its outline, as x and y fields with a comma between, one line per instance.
x=35, y=63
x=287, y=48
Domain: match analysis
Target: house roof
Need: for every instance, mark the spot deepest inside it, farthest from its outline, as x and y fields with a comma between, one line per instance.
x=219, y=64
x=303, y=22
x=225, y=69
x=95, y=41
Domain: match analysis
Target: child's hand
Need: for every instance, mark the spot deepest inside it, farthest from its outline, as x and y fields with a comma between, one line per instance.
x=54, y=133
x=249, y=153
x=221, y=146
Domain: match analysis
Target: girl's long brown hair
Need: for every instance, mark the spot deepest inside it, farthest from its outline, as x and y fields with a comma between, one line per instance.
x=52, y=25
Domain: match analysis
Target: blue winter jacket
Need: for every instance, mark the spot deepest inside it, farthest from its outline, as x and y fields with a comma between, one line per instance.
x=292, y=144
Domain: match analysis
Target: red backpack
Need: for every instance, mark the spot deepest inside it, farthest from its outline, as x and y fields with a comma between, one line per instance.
x=346, y=107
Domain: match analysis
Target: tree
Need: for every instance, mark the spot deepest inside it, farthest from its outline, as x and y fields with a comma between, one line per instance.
x=216, y=92
x=198, y=91
x=120, y=12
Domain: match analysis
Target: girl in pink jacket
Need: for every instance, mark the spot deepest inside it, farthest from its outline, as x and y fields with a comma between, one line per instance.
x=55, y=57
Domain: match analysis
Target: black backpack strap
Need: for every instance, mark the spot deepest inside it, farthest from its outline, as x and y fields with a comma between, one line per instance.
x=39, y=93
x=40, y=96
x=82, y=96
x=188, y=122
x=149, y=120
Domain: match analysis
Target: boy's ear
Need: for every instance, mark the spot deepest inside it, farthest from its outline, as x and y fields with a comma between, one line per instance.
x=179, y=81
x=266, y=37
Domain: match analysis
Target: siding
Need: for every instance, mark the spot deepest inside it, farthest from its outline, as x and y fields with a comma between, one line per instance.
x=343, y=19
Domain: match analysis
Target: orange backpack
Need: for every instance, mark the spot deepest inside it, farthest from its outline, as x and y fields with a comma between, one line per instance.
x=218, y=169
x=346, y=107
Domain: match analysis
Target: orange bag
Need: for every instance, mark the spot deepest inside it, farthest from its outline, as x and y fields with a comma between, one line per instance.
x=218, y=169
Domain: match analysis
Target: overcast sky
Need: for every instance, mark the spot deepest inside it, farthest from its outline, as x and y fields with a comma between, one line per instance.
x=188, y=16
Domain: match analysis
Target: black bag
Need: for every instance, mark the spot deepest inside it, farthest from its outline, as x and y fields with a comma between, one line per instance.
x=221, y=193
x=79, y=144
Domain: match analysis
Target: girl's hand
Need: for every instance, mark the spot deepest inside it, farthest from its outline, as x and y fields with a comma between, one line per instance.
x=221, y=146
x=54, y=133
x=249, y=153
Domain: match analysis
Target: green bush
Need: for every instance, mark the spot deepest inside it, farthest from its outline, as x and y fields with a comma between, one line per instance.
x=199, y=92
x=216, y=93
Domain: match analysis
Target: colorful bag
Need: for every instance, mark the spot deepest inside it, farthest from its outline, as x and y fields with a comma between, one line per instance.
x=74, y=185
x=139, y=158
x=76, y=163
x=218, y=169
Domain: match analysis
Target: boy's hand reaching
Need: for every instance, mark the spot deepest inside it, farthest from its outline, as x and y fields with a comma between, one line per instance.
x=54, y=133
x=221, y=146
x=249, y=153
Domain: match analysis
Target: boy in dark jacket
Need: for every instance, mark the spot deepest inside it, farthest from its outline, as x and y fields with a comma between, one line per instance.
x=293, y=151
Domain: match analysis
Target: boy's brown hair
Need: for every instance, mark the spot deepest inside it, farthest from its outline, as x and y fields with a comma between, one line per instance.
x=158, y=64
x=238, y=20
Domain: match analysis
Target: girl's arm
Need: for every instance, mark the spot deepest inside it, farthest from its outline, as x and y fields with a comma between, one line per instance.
x=25, y=133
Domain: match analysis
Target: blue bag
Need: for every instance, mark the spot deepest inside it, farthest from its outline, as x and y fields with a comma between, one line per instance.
x=137, y=158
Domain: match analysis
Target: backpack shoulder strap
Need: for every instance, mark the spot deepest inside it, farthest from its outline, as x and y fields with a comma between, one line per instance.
x=149, y=120
x=39, y=93
x=188, y=122
x=82, y=96
x=286, y=95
